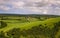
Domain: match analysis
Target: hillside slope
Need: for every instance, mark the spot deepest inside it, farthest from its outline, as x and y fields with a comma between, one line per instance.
x=28, y=25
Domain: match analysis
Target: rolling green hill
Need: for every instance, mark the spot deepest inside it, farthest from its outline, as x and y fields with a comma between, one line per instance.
x=34, y=26
x=27, y=25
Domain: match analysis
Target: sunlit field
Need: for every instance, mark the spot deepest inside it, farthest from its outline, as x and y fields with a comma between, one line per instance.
x=29, y=26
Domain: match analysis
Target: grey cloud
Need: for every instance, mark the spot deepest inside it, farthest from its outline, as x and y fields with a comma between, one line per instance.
x=48, y=7
x=40, y=4
x=52, y=7
x=36, y=4
x=13, y=4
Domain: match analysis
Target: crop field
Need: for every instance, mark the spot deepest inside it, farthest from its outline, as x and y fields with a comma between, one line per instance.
x=29, y=26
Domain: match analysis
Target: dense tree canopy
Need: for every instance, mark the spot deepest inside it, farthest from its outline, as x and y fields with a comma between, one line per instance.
x=2, y=24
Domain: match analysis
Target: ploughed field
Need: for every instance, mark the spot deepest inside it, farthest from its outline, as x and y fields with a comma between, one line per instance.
x=29, y=26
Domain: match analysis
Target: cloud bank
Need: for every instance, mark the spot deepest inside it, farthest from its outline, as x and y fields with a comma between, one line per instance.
x=41, y=6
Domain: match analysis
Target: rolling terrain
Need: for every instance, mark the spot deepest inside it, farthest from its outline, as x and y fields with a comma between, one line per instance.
x=29, y=26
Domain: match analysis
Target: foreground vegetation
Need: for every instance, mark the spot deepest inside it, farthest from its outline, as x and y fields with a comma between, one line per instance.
x=30, y=26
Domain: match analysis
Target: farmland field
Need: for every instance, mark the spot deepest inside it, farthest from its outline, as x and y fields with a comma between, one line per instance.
x=29, y=26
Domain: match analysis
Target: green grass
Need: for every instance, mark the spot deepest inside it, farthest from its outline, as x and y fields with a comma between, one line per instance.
x=29, y=25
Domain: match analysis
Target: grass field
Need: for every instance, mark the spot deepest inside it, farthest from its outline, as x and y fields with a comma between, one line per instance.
x=26, y=24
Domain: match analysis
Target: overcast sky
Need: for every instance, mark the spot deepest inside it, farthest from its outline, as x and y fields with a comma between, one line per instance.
x=30, y=6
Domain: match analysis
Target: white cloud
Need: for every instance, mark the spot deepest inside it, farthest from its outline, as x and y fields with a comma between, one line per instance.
x=5, y=8
x=17, y=4
x=33, y=0
x=42, y=6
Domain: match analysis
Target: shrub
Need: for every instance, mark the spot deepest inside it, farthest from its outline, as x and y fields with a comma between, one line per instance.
x=2, y=24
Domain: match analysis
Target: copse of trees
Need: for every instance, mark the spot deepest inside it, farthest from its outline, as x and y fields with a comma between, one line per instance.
x=14, y=33
x=2, y=24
